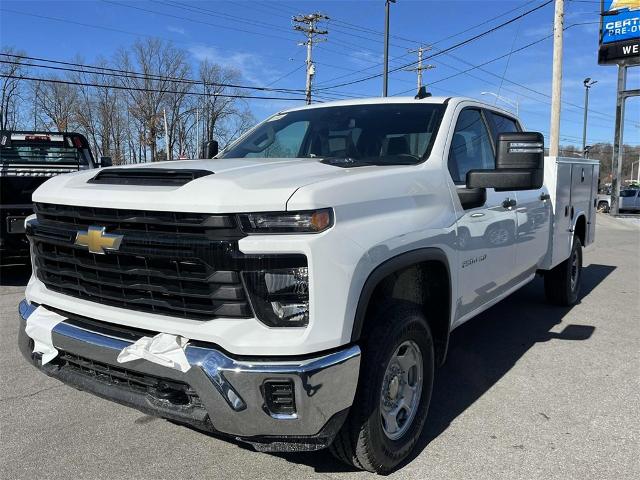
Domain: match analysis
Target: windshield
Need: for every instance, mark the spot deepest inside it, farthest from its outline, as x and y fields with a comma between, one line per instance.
x=387, y=134
x=628, y=193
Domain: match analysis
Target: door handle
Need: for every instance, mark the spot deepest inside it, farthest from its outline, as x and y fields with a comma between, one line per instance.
x=509, y=203
x=545, y=196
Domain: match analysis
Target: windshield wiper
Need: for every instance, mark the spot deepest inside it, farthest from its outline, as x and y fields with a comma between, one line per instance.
x=347, y=162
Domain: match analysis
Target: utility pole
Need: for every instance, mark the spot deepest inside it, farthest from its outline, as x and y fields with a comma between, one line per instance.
x=556, y=88
x=308, y=24
x=385, y=73
x=420, y=67
x=588, y=83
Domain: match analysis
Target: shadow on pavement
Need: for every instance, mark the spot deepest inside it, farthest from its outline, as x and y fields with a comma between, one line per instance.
x=481, y=352
x=14, y=275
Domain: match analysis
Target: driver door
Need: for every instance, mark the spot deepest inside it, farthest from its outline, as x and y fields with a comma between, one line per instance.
x=485, y=234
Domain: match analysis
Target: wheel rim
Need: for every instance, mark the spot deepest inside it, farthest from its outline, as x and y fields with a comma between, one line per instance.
x=575, y=269
x=498, y=237
x=401, y=390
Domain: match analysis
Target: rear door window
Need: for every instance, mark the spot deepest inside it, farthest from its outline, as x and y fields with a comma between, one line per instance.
x=501, y=124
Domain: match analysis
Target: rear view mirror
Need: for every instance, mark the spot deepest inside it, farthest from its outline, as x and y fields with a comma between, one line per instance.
x=106, y=162
x=519, y=164
x=209, y=149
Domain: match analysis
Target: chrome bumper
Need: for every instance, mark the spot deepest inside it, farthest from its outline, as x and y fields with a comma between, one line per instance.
x=231, y=391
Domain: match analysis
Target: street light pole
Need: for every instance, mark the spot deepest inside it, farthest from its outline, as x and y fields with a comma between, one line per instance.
x=588, y=83
x=514, y=103
x=385, y=73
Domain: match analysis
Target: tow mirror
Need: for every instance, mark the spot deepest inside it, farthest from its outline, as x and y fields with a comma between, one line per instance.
x=519, y=164
x=209, y=149
x=105, y=162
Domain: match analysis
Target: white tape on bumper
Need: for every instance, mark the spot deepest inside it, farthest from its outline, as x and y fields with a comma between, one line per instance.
x=39, y=326
x=164, y=349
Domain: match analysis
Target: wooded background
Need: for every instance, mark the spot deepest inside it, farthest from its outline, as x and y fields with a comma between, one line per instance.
x=123, y=117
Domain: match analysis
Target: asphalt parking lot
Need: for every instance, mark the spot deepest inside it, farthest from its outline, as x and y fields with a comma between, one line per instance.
x=528, y=391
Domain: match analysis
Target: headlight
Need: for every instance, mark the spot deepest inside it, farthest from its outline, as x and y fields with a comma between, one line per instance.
x=280, y=297
x=311, y=221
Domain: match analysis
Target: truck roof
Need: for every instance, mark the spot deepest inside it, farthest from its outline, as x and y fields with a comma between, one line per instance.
x=396, y=100
x=368, y=101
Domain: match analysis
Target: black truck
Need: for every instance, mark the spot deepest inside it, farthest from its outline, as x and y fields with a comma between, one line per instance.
x=28, y=159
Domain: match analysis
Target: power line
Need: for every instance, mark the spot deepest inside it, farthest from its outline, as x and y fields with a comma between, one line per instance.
x=107, y=28
x=452, y=47
x=208, y=12
x=288, y=74
x=569, y=138
x=436, y=41
x=520, y=94
x=525, y=87
x=140, y=89
x=453, y=35
x=202, y=22
x=419, y=42
x=114, y=72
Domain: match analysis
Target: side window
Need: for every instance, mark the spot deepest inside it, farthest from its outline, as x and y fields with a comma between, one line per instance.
x=471, y=146
x=284, y=143
x=501, y=124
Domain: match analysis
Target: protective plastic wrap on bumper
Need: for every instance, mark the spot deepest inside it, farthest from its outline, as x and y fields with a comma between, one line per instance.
x=220, y=394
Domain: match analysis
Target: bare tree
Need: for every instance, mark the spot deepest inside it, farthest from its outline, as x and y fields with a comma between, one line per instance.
x=101, y=112
x=11, y=89
x=224, y=115
x=162, y=66
x=56, y=103
x=121, y=113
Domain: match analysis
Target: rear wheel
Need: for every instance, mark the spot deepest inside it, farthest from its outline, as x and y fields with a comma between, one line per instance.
x=394, y=391
x=562, y=283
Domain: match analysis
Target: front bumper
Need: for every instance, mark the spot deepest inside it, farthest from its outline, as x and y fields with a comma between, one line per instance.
x=218, y=393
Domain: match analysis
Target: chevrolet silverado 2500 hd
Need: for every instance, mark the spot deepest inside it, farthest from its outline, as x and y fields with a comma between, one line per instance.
x=298, y=290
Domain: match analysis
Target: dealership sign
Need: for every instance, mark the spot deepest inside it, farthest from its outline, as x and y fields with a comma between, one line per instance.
x=620, y=32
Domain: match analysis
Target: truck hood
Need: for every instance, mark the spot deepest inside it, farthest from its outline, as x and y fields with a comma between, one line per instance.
x=236, y=185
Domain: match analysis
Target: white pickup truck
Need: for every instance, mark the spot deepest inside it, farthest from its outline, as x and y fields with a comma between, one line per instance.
x=298, y=290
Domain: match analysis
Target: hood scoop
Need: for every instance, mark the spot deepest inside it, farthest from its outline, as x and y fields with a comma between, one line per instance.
x=156, y=177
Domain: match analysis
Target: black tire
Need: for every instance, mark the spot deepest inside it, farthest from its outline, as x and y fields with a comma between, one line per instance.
x=603, y=207
x=559, y=287
x=362, y=441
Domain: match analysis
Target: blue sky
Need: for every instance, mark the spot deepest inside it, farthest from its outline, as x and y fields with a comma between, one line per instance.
x=256, y=37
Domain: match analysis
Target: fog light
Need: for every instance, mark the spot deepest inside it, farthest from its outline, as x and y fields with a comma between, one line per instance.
x=280, y=297
x=279, y=396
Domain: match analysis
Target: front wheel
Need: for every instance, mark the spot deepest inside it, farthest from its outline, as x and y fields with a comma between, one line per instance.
x=394, y=391
x=562, y=283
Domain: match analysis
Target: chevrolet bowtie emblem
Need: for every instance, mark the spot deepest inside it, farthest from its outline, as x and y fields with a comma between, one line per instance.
x=97, y=241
